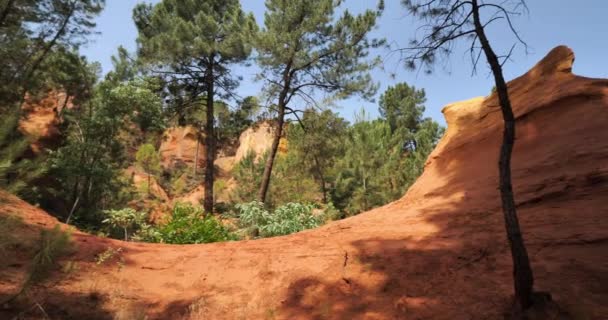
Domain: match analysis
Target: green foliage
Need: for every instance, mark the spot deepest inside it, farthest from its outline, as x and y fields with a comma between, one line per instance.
x=402, y=106
x=314, y=145
x=383, y=158
x=179, y=178
x=31, y=31
x=286, y=219
x=231, y=123
x=16, y=172
x=88, y=165
x=144, y=102
x=359, y=183
x=247, y=174
x=187, y=224
x=53, y=244
x=124, y=219
x=8, y=236
x=306, y=50
x=196, y=41
x=316, y=48
x=291, y=183
x=149, y=160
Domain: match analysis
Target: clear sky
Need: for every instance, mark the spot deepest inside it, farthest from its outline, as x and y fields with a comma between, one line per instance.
x=582, y=25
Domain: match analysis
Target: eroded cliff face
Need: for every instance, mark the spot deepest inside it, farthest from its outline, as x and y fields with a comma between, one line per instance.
x=180, y=144
x=440, y=252
x=256, y=139
x=42, y=119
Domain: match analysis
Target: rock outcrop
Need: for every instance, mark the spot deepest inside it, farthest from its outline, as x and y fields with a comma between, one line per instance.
x=42, y=119
x=440, y=252
x=256, y=139
x=180, y=144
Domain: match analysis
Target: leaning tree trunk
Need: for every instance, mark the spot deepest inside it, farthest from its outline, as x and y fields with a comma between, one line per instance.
x=209, y=143
x=278, y=131
x=522, y=271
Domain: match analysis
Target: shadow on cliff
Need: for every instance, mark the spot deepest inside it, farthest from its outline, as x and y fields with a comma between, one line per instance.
x=462, y=269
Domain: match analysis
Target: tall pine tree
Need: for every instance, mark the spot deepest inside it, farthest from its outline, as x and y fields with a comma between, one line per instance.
x=193, y=44
x=306, y=50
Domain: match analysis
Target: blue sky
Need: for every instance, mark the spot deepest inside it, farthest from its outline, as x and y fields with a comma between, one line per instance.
x=548, y=24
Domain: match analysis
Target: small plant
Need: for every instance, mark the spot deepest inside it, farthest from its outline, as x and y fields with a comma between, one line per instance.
x=287, y=219
x=107, y=255
x=219, y=187
x=149, y=160
x=53, y=244
x=125, y=219
x=187, y=224
x=252, y=216
x=331, y=213
x=8, y=239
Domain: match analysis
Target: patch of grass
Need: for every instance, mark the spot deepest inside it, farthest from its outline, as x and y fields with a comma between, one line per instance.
x=107, y=255
x=53, y=244
x=8, y=239
x=131, y=311
x=270, y=314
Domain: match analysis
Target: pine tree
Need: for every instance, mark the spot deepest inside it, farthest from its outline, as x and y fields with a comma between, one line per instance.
x=16, y=172
x=402, y=106
x=452, y=20
x=193, y=44
x=148, y=159
x=317, y=142
x=306, y=50
x=30, y=31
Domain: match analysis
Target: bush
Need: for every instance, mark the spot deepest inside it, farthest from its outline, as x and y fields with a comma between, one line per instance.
x=125, y=219
x=186, y=225
x=289, y=218
x=8, y=239
x=53, y=244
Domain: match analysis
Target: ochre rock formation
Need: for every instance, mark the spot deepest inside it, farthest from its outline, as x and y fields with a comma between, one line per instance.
x=440, y=252
x=256, y=139
x=179, y=144
x=41, y=119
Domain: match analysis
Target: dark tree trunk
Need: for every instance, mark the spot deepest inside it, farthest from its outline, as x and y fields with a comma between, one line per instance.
x=321, y=178
x=276, y=139
x=209, y=141
x=282, y=103
x=5, y=11
x=522, y=271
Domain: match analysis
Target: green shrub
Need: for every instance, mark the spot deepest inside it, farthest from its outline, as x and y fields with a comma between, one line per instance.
x=187, y=224
x=252, y=216
x=53, y=244
x=125, y=219
x=8, y=238
x=286, y=219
